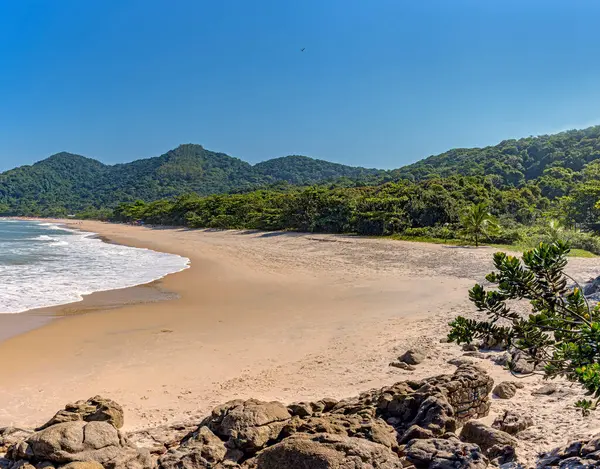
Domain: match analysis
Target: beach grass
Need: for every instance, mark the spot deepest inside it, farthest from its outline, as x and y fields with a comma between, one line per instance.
x=465, y=243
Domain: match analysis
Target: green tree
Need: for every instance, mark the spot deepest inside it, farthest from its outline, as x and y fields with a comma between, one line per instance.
x=561, y=334
x=478, y=222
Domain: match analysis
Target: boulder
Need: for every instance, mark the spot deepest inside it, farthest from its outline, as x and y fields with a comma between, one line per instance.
x=445, y=454
x=505, y=390
x=95, y=409
x=11, y=435
x=75, y=441
x=324, y=451
x=412, y=357
x=512, y=422
x=248, y=425
x=201, y=450
x=460, y=361
x=545, y=390
x=361, y=425
x=491, y=440
x=158, y=440
x=403, y=365
x=83, y=465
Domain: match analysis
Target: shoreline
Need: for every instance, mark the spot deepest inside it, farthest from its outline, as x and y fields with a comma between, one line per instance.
x=271, y=316
x=14, y=324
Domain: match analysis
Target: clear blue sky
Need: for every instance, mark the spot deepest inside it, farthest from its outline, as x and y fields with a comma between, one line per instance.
x=381, y=83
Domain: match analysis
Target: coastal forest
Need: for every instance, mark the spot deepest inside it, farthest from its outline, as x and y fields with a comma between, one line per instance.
x=532, y=187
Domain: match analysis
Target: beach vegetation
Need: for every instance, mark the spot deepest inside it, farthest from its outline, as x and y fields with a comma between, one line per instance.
x=559, y=336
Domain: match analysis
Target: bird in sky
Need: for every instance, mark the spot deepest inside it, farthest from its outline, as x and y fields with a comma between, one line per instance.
x=302, y=50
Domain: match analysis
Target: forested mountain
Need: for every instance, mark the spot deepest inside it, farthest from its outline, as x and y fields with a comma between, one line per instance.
x=67, y=182
x=303, y=170
x=550, y=167
x=514, y=162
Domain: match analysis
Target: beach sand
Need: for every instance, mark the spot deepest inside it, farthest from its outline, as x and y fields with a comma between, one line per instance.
x=276, y=316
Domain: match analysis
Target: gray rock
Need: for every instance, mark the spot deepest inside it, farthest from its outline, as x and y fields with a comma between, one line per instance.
x=475, y=354
x=412, y=357
x=68, y=442
x=95, y=409
x=324, y=451
x=505, y=390
x=403, y=365
x=445, y=454
x=201, y=450
x=460, y=361
x=248, y=425
x=487, y=438
x=512, y=422
x=545, y=390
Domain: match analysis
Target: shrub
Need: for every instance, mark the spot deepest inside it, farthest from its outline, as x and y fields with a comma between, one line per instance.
x=560, y=334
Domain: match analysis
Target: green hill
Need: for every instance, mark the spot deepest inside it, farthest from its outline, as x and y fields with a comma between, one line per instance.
x=303, y=170
x=514, y=162
x=65, y=182
x=554, y=164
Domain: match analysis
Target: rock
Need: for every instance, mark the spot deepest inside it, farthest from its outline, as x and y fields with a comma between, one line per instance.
x=545, y=390
x=158, y=440
x=248, y=425
x=94, y=409
x=67, y=442
x=576, y=454
x=403, y=365
x=83, y=465
x=520, y=364
x=11, y=435
x=512, y=422
x=505, y=390
x=301, y=409
x=412, y=357
x=324, y=451
x=460, y=361
x=445, y=454
x=470, y=348
x=201, y=450
x=475, y=354
x=361, y=425
x=490, y=440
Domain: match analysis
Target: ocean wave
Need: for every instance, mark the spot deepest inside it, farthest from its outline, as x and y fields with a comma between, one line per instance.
x=65, y=267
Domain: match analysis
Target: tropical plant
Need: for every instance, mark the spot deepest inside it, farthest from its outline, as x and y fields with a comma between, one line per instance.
x=561, y=335
x=478, y=222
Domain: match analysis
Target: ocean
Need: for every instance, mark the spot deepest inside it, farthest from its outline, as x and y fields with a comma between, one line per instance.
x=44, y=264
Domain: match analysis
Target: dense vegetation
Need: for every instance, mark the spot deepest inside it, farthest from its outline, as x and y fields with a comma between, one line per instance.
x=530, y=188
x=559, y=337
x=66, y=183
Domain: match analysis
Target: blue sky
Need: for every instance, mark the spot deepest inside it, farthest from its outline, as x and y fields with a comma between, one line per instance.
x=381, y=83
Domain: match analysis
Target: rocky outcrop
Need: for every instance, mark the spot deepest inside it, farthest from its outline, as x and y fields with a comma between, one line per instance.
x=580, y=453
x=495, y=443
x=409, y=424
x=96, y=409
x=248, y=425
x=325, y=451
x=80, y=441
x=445, y=454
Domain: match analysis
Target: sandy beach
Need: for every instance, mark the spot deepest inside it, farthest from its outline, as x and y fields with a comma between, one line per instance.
x=277, y=316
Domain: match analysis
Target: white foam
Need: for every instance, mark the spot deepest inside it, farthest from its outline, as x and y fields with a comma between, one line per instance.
x=66, y=267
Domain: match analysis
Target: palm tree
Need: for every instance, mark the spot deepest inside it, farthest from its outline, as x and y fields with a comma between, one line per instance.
x=478, y=222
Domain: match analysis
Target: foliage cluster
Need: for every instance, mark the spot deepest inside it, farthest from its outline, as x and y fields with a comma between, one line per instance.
x=561, y=334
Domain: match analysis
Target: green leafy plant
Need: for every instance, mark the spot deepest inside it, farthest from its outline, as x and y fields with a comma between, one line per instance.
x=478, y=222
x=561, y=334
